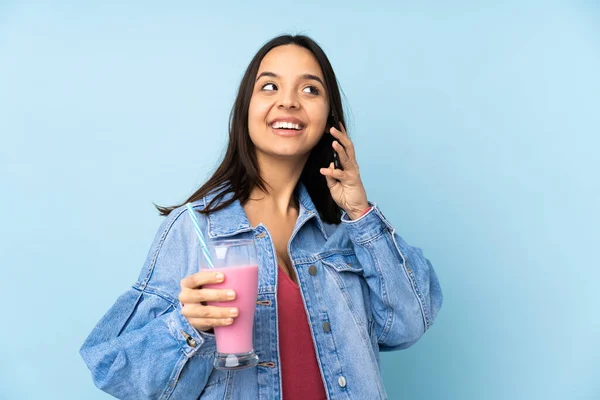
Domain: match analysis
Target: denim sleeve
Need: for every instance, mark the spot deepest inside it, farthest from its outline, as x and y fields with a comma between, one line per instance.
x=404, y=289
x=143, y=347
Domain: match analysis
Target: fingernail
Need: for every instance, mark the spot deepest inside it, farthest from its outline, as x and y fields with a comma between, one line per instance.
x=231, y=294
x=228, y=320
x=233, y=311
x=219, y=276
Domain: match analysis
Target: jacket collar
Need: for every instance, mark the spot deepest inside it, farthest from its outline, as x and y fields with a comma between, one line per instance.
x=232, y=219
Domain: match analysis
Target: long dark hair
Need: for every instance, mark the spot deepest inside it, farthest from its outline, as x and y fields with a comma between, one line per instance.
x=239, y=173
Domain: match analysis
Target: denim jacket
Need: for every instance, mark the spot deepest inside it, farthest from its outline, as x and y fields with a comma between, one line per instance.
x=374, y=291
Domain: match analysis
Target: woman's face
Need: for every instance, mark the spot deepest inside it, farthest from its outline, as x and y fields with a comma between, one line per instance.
x=289, y=106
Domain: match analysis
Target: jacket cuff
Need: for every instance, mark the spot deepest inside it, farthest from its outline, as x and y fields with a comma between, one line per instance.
x=368, y=226
x=190, y=340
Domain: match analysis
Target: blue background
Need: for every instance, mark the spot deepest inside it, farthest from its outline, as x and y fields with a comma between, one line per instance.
x=477, y=128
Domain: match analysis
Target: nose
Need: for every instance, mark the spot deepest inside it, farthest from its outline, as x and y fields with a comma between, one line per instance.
x=287, y=99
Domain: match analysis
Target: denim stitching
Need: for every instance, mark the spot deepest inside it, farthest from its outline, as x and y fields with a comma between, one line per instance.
x=343, y=289
x=324, y=368
x=159, y=247
x=135, y=304
x=157, y=292
x=302, y=260
x=410, y=274
x=173, y=379
x=413, y=283
x=388, y=323
x=228, y=385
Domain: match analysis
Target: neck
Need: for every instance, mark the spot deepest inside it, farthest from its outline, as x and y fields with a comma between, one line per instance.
x=281, y=176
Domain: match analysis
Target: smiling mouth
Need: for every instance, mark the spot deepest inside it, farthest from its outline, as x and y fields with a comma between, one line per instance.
x=287, y=126
x=287, y=131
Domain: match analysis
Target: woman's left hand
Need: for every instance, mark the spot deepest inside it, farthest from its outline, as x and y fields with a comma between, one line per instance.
x=346, y=186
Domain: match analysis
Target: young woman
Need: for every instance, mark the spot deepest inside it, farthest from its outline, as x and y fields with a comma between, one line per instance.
x=337, y=284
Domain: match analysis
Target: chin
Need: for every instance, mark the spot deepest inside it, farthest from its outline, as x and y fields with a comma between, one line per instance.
x=285, y=153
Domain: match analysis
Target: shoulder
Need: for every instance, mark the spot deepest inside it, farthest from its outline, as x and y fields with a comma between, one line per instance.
x=178, y=220
x=173, y=253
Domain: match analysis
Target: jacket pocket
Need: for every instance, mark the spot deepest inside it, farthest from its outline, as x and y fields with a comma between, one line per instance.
x=343, y=263
x=347, y=273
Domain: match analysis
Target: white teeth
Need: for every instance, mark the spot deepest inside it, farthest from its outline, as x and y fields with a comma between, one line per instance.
x=285, y=125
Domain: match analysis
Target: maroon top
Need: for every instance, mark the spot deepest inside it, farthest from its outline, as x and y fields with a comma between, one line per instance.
x=300, y=375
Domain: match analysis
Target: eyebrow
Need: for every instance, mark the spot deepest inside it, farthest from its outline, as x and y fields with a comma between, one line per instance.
x=303, y=76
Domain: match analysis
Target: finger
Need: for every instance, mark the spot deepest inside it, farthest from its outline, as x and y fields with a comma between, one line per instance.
x=344, y=158
x=331, y=182
x=344, y=139
x=206, y=323
x=200, y=311
x=332, y=173
x=201, y=278
x=201, y=295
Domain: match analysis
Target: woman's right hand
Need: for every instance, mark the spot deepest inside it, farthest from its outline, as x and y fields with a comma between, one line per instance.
x=193, y=298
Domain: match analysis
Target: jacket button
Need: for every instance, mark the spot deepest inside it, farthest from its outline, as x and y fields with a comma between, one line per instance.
x=326, y=326
x=312, y=270
x=189, y=340
x=342, y=381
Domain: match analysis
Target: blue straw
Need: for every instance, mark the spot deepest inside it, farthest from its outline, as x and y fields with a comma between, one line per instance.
x=200, y=236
